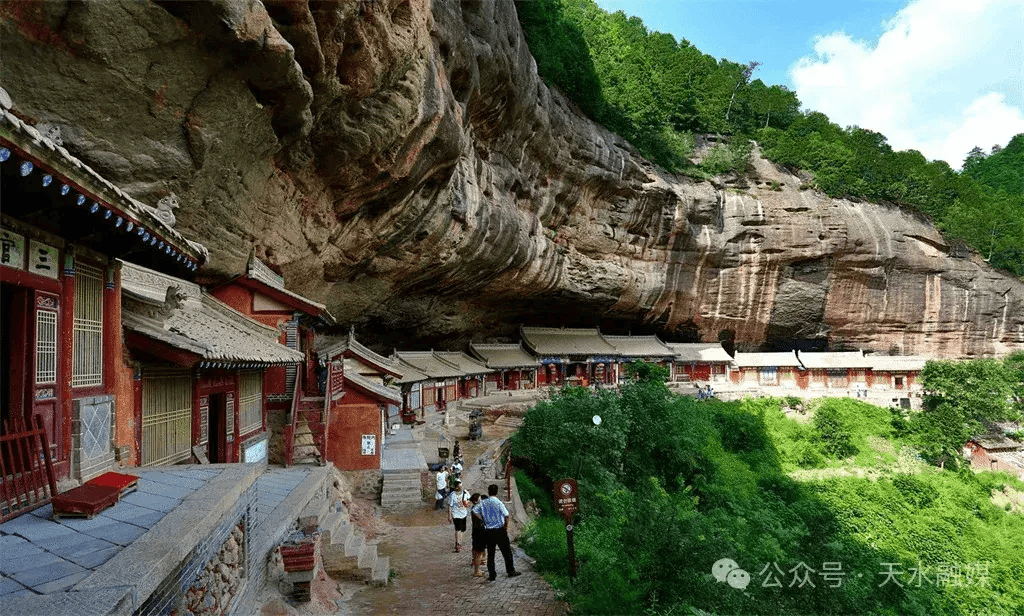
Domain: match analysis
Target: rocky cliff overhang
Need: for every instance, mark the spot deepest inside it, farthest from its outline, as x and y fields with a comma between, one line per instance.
x=401, y=162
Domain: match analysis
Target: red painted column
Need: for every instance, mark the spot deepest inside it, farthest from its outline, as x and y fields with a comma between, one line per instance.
x=62, y=465
x=111, y=326
x=137, y=393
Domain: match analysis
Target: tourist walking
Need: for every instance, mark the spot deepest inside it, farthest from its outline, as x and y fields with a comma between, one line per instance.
x=495, y=517
x=458, y=509
x=441, y=480
x=478, y=537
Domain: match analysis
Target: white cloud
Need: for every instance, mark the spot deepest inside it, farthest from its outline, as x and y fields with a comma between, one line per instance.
x=945, y=76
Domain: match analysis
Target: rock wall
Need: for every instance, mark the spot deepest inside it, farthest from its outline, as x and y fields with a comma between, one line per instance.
x=401, y=161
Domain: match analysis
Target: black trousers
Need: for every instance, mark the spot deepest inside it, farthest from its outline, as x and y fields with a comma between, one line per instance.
x=499, y=537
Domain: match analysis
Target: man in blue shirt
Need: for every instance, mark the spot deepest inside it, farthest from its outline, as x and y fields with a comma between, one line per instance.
x=495, y=517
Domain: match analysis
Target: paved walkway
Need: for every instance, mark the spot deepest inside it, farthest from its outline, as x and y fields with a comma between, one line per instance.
x=42, y=555
x=432, y=579
x=42, y=558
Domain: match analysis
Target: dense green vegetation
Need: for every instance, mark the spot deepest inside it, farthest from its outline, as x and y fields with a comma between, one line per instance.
x=670, y=485
x=961, y=397
x=658, y=93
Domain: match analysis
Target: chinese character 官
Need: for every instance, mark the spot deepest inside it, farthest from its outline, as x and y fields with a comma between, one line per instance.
x=775, y=581
x=892, y=570
x=806, y=571
x=7, y=245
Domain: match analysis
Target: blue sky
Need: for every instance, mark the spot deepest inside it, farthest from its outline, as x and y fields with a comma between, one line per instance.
x=939, y=76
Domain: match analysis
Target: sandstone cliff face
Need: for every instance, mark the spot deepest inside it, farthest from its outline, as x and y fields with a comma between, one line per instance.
x=401, y=161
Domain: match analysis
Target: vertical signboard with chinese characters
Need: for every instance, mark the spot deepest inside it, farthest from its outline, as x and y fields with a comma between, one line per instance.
x=567, y=503
x=12, y=249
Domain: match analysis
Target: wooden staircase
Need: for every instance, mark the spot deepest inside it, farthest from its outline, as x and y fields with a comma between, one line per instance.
x=306, y=428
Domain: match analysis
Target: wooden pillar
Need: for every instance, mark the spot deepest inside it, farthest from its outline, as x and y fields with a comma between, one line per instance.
x=111, y=326
x=62, y=463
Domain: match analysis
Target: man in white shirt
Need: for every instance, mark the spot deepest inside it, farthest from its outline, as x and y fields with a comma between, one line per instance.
x=458, y=509
x=442, y=487
x=495, y=517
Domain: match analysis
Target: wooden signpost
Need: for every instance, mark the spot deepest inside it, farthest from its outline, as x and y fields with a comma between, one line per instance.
x=567, y=503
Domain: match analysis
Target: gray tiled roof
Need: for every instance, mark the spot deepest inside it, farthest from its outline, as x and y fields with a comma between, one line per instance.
x=257, y=270
x=767, y=360
x=333, y=347
x=699, y=351
x=198, y=323
x=639, y=346
x=996, y=441
x=504, y=355
x=381, y=391
x=843, y=359
x=409, y=373
x=430, y=364
x=896, y=363
x=467, y=364
x=63, y=162
x=561, y=341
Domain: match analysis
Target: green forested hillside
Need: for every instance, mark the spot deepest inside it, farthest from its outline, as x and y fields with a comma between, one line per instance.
x=832, y=515
x=658, y=92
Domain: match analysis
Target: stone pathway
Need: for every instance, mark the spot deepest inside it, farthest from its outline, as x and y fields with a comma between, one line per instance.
x=432, y=579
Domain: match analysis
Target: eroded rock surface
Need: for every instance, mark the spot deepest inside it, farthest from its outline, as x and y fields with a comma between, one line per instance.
x=402, y=162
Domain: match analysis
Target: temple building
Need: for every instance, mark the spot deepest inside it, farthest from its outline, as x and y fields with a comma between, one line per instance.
x=513, y=368
x=199, y=370
x=358, y=420
x=640, y=348
x=702, y=362
x=572, y=356
x=62, y=230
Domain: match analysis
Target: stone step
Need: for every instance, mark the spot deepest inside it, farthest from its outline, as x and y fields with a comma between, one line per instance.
x=403, y=482
x=342, y=567
x=402, y=472
x=400, y=501
x=331, y=524
x=392, y=499
x=340, y=535
x=381, y=574
x=314, y=512
x=406, y=489
x=367, y=557
x=355, y=544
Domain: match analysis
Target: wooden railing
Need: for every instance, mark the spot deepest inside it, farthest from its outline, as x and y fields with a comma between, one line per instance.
x=26, y=473
x=293, y=424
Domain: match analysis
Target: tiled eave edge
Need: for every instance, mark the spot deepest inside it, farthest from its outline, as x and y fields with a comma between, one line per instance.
x=96, y=190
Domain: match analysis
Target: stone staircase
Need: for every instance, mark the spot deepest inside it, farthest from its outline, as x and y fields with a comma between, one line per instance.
x=401, y=487
x=402, y=463
x=347, y=554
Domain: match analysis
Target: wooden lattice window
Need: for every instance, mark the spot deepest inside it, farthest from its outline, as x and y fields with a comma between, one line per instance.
x=250, y=401
x=166, y=418
x=87, y=355
x=46, y=347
